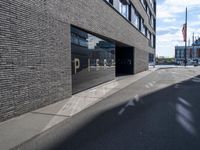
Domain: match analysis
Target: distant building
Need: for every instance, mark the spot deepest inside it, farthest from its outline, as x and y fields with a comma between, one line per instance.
x=192, y=52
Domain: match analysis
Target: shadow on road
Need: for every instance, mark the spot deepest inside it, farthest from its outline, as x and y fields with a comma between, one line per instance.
x=164, y=120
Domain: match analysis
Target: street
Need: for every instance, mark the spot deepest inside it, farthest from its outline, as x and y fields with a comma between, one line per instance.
x=158, y=112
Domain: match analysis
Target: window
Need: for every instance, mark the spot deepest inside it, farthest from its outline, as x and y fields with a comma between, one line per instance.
x=124, y=10
x=151, y=58
x=151, y=21
x=143, y=3
x=152, y=3
x=110, y=1
x=152, y=40
x=93, y=62
x=78, y=40
x=134, y=17
x=148, y=11
x=142, y=27
x=148, y=34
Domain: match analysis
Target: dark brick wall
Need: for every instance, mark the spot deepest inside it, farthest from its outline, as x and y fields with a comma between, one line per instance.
x=35, y=66
x=141, y=60
x=98, y=17
x=35, y=51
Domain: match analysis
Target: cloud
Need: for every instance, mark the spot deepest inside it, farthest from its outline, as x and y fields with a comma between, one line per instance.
x=167, y=30
x=163, y=13
x=169, y=8
x=169, y=20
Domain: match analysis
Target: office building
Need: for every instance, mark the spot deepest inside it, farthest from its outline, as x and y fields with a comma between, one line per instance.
x=50, y=50
x=192, y=53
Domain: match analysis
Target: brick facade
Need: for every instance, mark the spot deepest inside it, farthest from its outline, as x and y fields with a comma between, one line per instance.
x=35, y=50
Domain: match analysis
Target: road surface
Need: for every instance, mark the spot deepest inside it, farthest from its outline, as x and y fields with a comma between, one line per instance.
x=158, y=112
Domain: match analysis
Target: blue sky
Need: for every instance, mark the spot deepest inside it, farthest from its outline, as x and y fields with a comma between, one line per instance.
x=170, y=19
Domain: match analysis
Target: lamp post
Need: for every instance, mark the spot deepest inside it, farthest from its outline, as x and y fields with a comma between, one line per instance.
x=185, y=52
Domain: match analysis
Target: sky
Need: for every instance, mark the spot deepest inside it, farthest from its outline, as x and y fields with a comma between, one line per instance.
x=170, y=20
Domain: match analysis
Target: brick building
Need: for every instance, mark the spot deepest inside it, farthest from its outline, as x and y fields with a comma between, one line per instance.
x=52, y=49
x=192, y=53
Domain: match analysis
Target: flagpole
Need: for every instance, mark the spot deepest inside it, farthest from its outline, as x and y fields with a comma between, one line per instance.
x=185, y=52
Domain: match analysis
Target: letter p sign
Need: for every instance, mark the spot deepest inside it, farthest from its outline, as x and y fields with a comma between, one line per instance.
x=76, y=64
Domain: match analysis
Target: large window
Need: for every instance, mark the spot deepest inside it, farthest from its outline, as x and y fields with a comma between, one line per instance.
x=151, y=58
x=144, y=3
x=142, y=27
x=152, y=21
x=124, y=10
x=152, y=40
x=148, y=11
x=152, y=3
x=110, y=1
x=127, y=9
x=148, y=34
x=93, y=60
x=134, y=17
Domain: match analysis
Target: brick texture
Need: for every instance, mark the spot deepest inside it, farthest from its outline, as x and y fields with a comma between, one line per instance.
x=35, y=66
x=35, y=51
x=141, y=60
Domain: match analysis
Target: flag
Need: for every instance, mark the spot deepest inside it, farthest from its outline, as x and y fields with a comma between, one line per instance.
x=184, y=30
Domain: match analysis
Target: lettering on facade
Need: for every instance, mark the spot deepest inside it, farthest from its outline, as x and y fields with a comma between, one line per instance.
x=77, y=64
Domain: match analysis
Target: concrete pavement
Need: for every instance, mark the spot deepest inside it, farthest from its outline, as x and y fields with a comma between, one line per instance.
x=25, y=127
x=159, y=112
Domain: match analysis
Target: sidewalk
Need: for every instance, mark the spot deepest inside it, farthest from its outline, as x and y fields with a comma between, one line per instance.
x=20, y=129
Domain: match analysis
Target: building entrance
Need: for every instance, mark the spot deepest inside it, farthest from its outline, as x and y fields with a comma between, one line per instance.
x=124, y=60
x=93, y=60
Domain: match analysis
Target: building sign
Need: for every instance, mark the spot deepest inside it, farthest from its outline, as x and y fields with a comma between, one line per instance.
x=93, y=60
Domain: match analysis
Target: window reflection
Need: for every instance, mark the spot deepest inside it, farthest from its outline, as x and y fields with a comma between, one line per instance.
x=93, y=60
x=124, y=9
x=134, y=17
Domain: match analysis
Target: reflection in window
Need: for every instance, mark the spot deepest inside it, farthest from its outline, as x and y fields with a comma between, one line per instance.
x=110, y=1
x=151, y=21
x=134, y=17
x=152, y=40
x=148, y=12
x=79, y=39
x=124, y=10
x=143, y=3
x=152, y=3
x=148, y=34
x=93, y=60
x=142, y=27
x=151, y=57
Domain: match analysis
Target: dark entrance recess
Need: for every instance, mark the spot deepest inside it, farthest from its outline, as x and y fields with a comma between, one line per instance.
x=124, y=60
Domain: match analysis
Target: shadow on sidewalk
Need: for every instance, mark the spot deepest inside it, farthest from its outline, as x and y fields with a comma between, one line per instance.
x=167, y=119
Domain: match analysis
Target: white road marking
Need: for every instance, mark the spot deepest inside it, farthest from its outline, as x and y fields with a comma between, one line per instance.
x=184, y=102
x=129, y=103
x=137, y=98
x=150, y=84
x=196, y=79
x=147, y=86
x=121, y=111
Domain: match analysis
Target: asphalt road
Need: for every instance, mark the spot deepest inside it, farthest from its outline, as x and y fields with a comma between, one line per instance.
x=158, y=112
